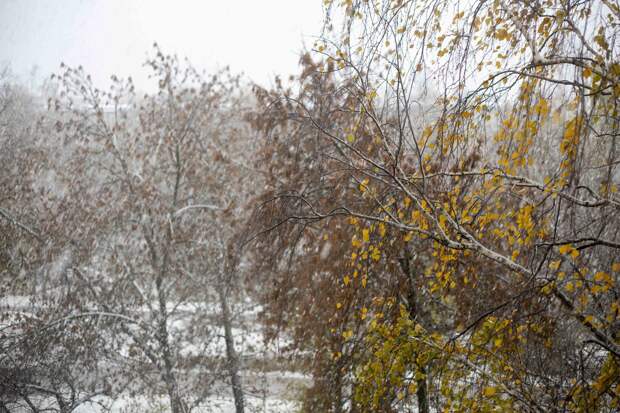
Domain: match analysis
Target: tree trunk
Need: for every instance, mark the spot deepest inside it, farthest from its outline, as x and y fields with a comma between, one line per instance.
x=412, y=304
x=231, y=354
x=172, y=387
x=338, y=389
x=422, y=393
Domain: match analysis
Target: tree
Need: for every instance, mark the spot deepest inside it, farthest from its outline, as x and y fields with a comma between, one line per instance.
x=48, y=362
x=475, y=147
x=149, y=181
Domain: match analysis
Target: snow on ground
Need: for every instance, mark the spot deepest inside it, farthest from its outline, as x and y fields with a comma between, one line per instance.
x=266, y=390
x=248, y=344
x=215, y=404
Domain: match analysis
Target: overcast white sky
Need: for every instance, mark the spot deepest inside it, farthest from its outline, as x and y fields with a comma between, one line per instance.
x=259, y=37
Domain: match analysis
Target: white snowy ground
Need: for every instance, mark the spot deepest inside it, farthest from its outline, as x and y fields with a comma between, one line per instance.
x=273, y=391
x=214, y=404
x=278, y=396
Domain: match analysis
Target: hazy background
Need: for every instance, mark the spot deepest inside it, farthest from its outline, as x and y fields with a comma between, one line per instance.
x=259, y=37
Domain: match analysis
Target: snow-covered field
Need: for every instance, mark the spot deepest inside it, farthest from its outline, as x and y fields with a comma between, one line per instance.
x=214, y=404
x=268, y=384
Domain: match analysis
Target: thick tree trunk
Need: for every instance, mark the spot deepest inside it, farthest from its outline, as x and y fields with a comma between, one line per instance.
x=231, y=353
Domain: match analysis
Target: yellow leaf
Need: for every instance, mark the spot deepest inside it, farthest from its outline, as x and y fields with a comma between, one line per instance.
x=382, y=229
x=565, y=249
x=346, y=280
x=547, y=288
x=569, y=249
x=366, y=235
x=363, y=185
x=502, y=34
x=554, y=265
x=542, y=107
x=602, y=276
x=489, y=391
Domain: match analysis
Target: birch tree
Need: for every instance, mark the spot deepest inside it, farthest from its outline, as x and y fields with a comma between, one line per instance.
x=478, y=152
